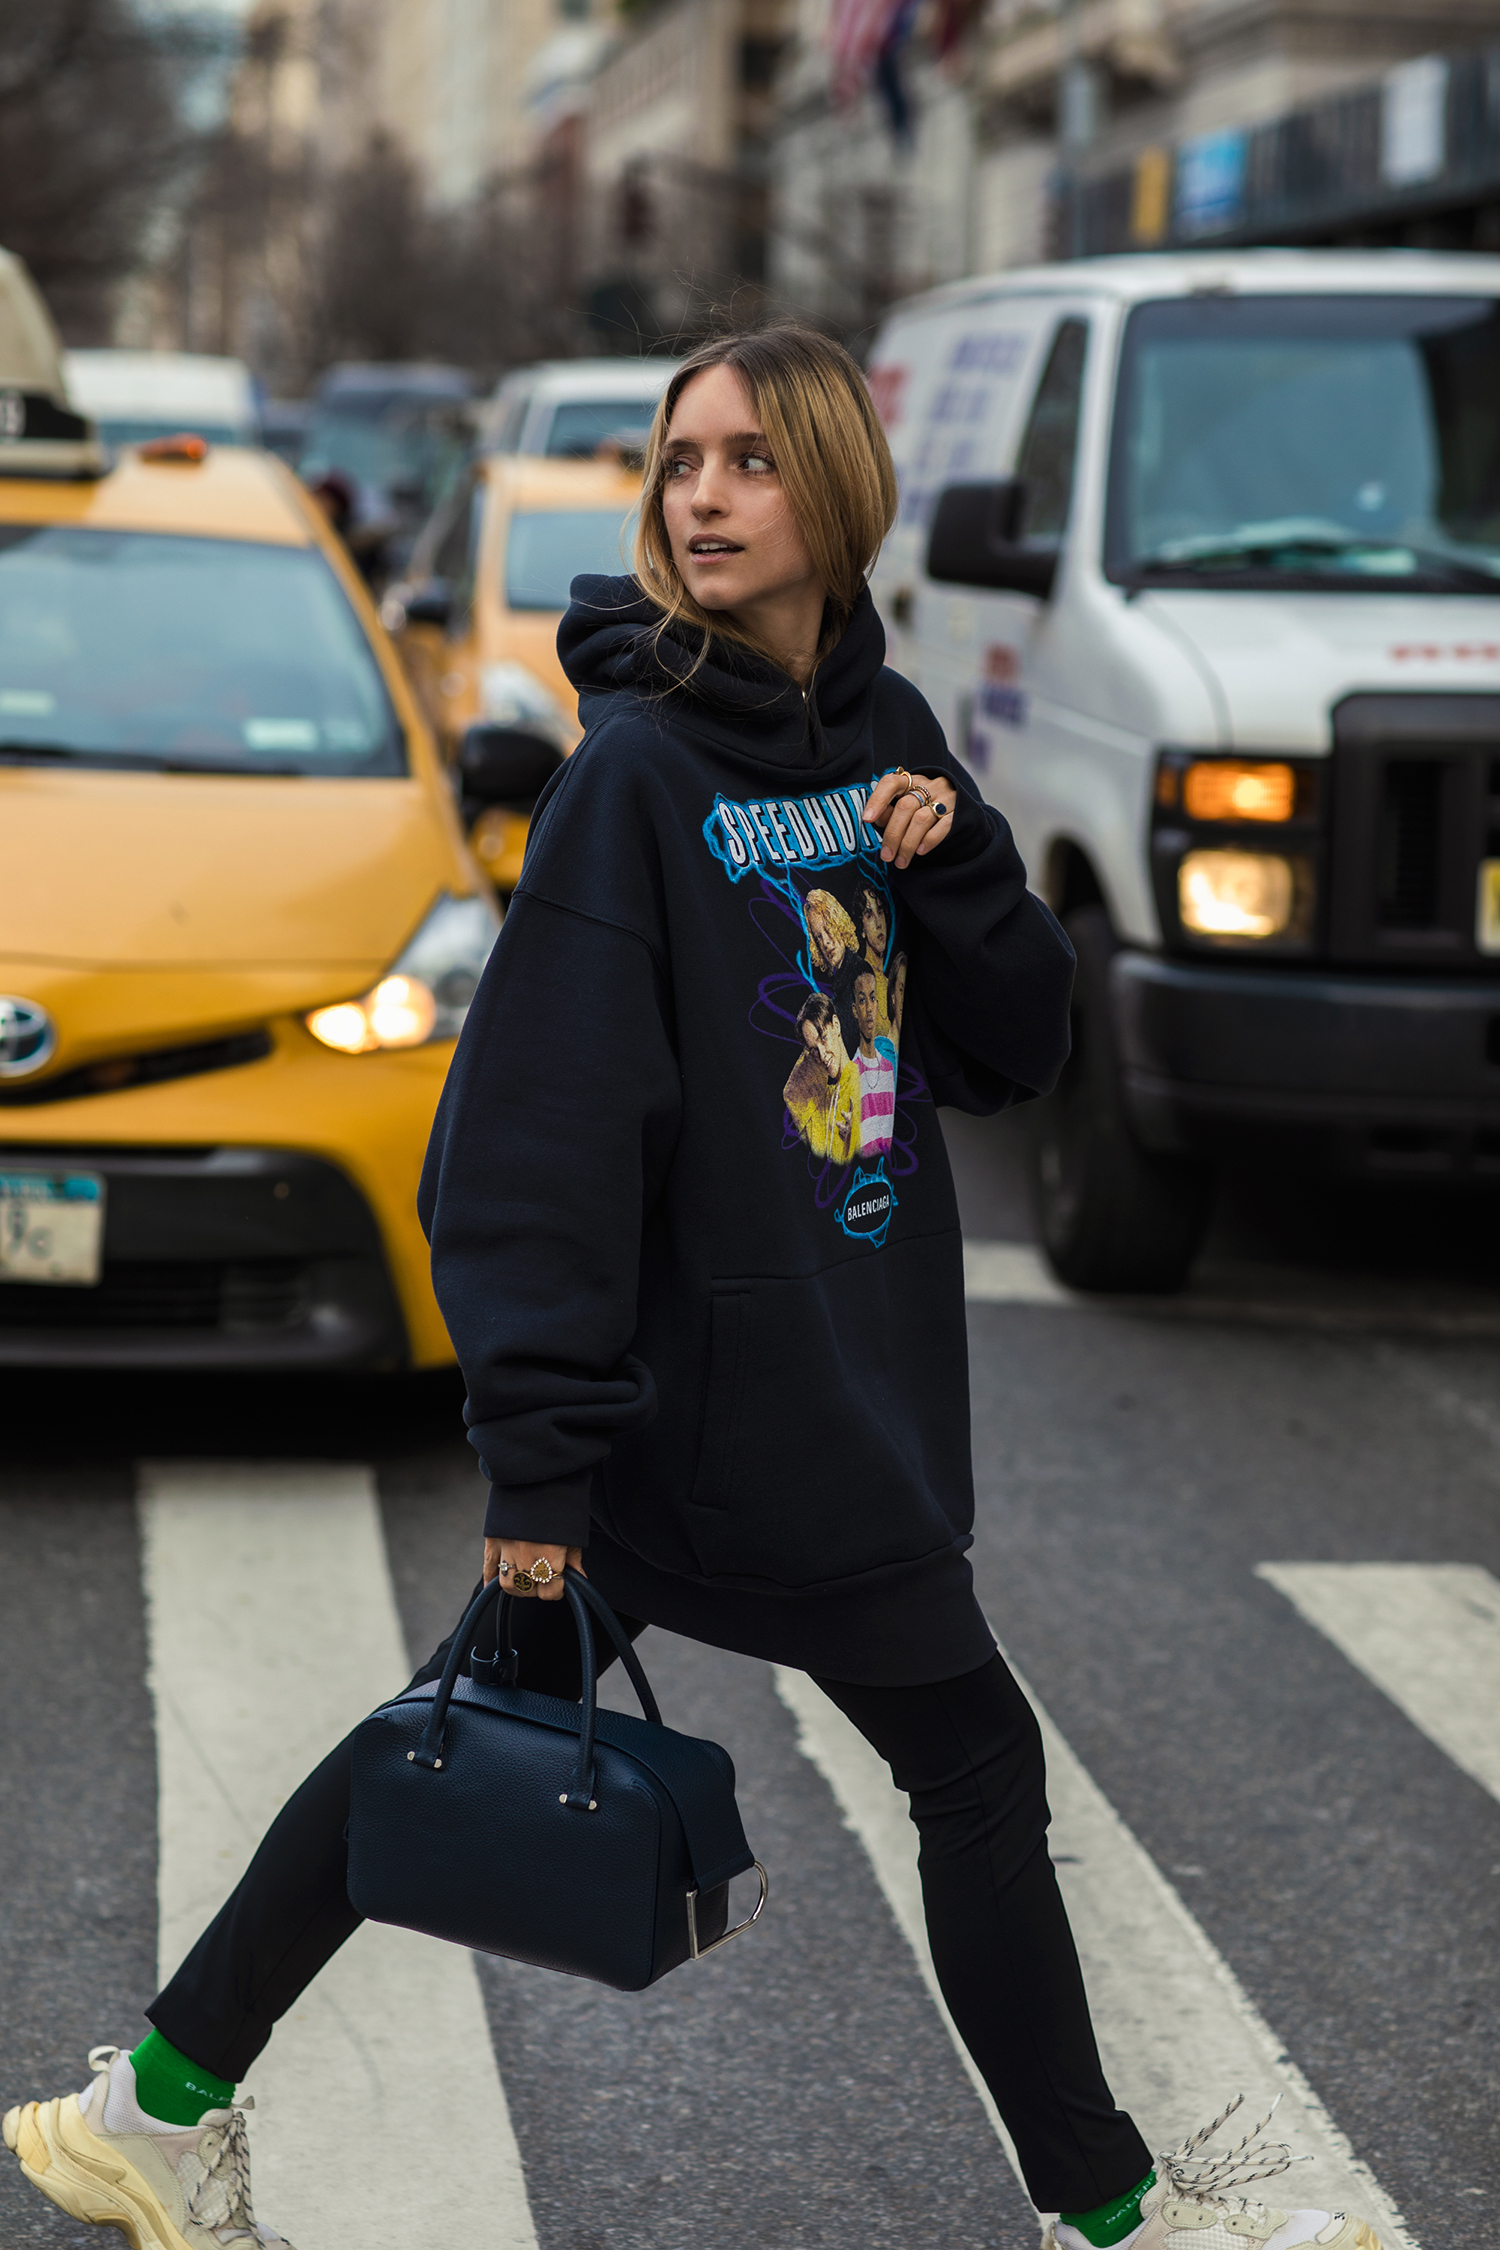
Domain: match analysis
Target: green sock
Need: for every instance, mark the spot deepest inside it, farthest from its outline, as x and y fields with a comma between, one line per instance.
x=170, y=2087
x=1109, y=2222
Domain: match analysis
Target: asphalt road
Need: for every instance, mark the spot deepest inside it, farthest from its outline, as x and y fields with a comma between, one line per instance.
x=1327, y=1392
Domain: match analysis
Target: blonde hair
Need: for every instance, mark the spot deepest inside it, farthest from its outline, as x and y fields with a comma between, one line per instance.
x=835, y=917
x=819, y=421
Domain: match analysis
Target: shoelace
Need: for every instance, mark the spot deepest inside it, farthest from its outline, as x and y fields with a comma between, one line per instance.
x=1209, y=2179
x=229, y=2173
x=229, y=2170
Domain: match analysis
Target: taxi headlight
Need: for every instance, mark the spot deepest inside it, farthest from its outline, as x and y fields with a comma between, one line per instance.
x=1236, y=894
x=425, y=994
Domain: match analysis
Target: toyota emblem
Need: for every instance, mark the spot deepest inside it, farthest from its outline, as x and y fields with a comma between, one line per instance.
x=26, y=1036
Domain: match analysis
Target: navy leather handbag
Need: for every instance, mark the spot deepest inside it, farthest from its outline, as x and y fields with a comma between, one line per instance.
x=578, y=1839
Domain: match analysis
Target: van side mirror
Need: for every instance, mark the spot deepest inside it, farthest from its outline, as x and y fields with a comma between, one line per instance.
x=975, y=540
x=505, y=765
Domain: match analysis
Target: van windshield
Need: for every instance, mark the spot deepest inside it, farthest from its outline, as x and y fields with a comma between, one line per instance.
x=1331, y=442
x=141, y=649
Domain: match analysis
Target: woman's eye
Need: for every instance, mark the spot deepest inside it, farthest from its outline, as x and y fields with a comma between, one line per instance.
x=760, y=463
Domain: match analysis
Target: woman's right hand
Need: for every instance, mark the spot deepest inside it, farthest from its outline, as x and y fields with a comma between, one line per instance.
x=525, y=1554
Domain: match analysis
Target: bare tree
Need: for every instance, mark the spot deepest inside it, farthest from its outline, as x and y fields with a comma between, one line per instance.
x=89, y=138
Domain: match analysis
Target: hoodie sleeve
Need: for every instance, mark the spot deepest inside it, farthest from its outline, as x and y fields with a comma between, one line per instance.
x=551, y=1142
x=992, y=972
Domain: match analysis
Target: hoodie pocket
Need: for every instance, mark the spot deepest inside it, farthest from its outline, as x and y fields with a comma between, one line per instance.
x=728, y=1330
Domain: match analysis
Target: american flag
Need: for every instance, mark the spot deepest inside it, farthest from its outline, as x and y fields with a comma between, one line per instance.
x=857, y=30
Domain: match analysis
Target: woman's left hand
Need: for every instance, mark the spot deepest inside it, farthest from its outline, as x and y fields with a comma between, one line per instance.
x=504, y=1557
x=908, y=828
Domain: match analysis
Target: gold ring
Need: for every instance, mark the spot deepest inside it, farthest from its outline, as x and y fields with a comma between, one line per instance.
x=906, y=777
x=922, y=796
x=542, y=1572
x=522, y=1582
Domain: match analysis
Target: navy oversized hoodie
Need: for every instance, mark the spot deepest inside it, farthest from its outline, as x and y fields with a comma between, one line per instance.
x=693, y=1229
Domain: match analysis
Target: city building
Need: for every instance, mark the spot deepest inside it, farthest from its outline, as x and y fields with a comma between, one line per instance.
x=992, y=136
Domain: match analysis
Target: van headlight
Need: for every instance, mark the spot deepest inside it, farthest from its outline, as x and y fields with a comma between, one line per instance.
x=425, y=994
x=1236, y=894
x=512, y=696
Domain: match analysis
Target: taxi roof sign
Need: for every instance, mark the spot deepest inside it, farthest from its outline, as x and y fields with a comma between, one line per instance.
x=40, y=433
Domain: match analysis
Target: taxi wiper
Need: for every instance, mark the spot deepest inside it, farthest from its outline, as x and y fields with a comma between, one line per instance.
x=75, y=754
x=132, y=761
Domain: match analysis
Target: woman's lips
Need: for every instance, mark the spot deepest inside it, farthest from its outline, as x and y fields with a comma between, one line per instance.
x=715, y=554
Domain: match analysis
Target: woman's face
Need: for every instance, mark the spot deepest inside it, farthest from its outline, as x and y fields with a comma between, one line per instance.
x=734, y=538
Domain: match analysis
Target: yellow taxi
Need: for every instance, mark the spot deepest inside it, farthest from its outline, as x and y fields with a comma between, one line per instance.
x=476, y=621
x=239, y=925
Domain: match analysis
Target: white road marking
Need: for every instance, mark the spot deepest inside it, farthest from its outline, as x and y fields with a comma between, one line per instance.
x=1010, y=1273
x=1177, y=2032
x=1016, y=1273
x=380, y=2119
x=1426, y=1634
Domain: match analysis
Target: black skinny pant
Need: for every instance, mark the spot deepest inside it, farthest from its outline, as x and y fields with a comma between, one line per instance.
x=967, y=1752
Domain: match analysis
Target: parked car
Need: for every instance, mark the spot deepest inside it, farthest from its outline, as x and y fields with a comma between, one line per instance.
x=477, y=621
x=565, y=409
x=239, y=928
x=1198, y=561
x=386, y=440
x=135, y=396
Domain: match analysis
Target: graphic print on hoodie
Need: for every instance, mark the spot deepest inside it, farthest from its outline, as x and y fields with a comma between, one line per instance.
x=818, y=891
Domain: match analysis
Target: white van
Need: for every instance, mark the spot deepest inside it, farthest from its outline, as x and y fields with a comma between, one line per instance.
x=566, y=409
x=135, y=396
x=1198, y=562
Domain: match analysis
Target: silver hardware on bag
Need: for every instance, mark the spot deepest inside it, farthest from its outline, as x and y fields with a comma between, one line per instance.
x=701, y=1952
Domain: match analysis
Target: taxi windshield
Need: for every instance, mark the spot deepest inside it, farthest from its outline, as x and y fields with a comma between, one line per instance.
x=150, y=650
x=1348, y=442
x=546, y=552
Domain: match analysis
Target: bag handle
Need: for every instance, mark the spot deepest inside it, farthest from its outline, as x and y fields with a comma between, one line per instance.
x=581, y=1598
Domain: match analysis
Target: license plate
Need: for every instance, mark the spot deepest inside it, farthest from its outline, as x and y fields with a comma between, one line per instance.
x=1487, y=917
x=51, y=1227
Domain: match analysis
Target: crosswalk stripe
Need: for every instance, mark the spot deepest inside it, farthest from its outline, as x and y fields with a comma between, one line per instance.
x=1426, y=1634
x=1010, y=1273
x=1177, y=2032
x=380, y=2121
x=1016, y=1273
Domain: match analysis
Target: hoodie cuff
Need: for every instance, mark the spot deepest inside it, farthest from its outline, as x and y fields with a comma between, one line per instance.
x=554, y=1515
x=970, y=833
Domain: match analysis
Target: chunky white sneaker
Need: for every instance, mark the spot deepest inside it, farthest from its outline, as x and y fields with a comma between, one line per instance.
x=1192, y=2204
x=166, y=2187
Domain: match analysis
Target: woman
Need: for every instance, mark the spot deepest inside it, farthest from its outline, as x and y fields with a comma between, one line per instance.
x=633, y=1338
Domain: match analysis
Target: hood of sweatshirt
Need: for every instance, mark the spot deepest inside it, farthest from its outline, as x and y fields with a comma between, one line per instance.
x=608, y=641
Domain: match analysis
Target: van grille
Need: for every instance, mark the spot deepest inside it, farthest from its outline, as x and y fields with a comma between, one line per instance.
x=189, y=1293
x=1415, y=808
x=1406, y=872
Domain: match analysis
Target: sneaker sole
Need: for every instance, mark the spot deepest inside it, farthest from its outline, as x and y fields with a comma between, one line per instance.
x=84, y=2176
